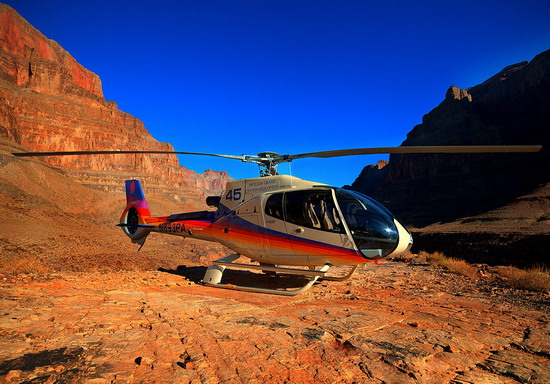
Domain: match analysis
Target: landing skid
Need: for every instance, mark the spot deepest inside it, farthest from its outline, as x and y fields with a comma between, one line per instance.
x=213, y=276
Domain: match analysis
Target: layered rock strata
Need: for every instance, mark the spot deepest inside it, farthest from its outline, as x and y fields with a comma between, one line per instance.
x=50, y=102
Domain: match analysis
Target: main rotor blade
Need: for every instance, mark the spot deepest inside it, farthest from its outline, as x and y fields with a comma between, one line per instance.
x=84, y=153
x=422, y=149
x=322, y=154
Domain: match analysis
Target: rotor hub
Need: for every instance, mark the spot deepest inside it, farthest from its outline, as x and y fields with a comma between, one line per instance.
x=269, y=162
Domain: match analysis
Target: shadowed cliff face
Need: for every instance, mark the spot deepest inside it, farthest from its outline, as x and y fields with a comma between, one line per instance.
x=509, y=108
x=49, y=102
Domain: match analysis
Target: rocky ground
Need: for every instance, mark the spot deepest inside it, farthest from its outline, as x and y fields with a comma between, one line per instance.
x=395, y=323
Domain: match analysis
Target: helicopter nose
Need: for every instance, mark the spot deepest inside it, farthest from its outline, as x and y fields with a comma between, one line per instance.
x=405, y=239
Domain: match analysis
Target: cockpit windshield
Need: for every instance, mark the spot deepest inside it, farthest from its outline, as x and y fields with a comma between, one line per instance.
x=372, y=226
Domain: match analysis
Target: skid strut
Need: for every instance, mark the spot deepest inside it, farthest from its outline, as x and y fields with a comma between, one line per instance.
x=213, y=276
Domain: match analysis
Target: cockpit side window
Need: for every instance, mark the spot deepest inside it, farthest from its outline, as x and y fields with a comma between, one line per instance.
x=274, y=206
x=312, y=209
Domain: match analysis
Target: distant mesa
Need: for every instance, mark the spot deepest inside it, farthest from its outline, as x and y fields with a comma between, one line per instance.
x=455, y=93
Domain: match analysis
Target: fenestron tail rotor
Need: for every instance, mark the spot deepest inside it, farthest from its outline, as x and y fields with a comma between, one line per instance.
x=270, y=160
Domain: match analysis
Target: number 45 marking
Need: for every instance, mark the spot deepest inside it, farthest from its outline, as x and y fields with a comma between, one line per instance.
x=233, y=194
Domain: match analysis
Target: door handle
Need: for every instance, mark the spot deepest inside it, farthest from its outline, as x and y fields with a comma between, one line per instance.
x=299, y=230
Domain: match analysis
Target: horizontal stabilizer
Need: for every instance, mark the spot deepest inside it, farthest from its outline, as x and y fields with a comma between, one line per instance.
x=136, y=225
x=201, y=215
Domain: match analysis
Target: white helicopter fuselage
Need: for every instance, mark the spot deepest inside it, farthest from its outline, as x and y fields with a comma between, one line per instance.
x=284, y=220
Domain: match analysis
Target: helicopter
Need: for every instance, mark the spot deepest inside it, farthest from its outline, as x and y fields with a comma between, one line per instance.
x=287, y=225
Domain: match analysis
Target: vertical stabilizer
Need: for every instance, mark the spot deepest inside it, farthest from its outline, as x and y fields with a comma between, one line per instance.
x=135, y=197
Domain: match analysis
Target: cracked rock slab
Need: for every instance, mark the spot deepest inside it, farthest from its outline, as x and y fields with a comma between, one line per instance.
x=407, y=323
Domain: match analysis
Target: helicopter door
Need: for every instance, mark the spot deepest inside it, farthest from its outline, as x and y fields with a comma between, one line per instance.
x=314, y=226
x=276, y=241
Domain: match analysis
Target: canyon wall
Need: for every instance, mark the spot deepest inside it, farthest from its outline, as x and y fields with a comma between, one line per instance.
x=511, y=107
x=50, y=102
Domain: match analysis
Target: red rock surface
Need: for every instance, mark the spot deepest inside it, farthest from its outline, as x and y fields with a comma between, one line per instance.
x=395, y=323
x=49, y=102
x=53, y=223
x=32, y=61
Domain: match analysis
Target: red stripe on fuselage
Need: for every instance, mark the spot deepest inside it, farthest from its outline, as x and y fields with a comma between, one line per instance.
x=281, y=241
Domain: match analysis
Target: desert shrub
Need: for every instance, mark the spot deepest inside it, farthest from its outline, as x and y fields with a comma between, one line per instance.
x=434, y=258
x=459, y=266
x=533, y=279
x=451, y=264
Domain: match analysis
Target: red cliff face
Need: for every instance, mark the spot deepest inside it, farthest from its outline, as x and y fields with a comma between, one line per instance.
x=31, y=60
x=49, y=102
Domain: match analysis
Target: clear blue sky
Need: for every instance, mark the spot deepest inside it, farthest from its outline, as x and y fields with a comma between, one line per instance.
x=291, y=76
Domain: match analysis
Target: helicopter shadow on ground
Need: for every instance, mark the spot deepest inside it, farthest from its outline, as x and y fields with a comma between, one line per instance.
x=241, y=277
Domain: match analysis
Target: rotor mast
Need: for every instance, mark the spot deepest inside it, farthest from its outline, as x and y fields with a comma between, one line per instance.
x=267, y=161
